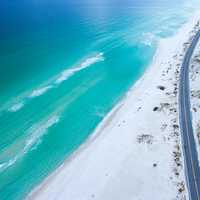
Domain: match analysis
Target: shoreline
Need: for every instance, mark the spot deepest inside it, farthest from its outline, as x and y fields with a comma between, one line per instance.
x=85, y=155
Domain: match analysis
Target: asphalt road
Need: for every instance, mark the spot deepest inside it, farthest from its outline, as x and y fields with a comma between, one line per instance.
x=192, y=169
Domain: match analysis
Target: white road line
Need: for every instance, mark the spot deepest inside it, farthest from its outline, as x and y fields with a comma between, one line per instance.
x=191, y=157
x=183, y=108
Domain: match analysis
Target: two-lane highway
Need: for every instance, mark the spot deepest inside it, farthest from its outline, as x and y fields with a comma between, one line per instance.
x=192, y=169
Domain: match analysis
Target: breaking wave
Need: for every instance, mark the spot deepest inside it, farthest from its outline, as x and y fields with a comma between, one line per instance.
x=148, y=39
x=16, y=107
x=40, y=91
x=88, y=62
x=63, y=76
x=36, y=132
x=35, y=137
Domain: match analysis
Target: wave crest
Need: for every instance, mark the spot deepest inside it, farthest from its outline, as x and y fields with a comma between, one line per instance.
x=16, y=107
x=148, y=39
x=40, y=91
x=36, y=133
x=55, y=81
x=87, y=63
x=35, y=137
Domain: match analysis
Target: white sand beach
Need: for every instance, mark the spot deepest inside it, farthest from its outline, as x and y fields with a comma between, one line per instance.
x=135, y=153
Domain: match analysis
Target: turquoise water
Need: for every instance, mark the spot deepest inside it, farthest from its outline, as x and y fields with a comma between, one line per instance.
x=63, y=66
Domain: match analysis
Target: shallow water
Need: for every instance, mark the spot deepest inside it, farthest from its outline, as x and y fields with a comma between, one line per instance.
x=63, y=66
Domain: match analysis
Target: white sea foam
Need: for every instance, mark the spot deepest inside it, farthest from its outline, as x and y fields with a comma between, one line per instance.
x=35, y=136
x=148, y=39
x=40, y=91
x=65, y=75
x=56, y=81
x=9, y=163
x=88, y=62
x=16, y=107
x=99, y=57
x=37, y=132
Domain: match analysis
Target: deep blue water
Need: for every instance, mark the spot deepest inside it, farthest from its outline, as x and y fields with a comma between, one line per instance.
x=63, y=66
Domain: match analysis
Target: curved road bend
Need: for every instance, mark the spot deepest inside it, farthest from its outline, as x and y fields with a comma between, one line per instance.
x=192, y=169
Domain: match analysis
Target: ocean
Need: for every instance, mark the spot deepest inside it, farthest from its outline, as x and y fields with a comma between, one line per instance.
x=63, y=66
